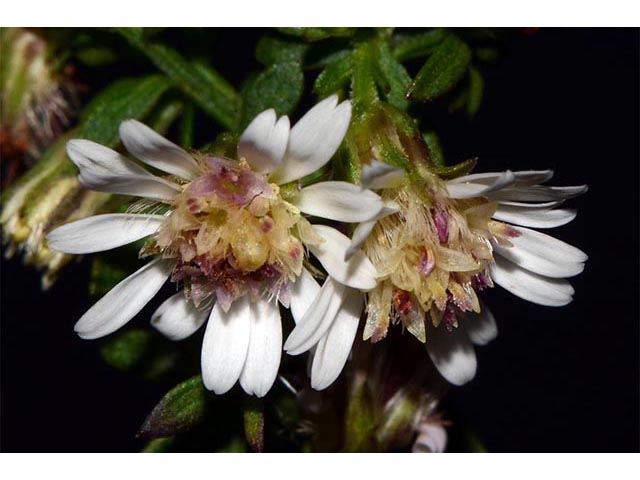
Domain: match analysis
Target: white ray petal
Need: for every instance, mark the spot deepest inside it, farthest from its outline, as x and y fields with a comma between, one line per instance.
x=105, y=170
x=377, y=175
x=103, y=232
x=481, y=327
x=334, y=347
x=314, y=140
x=123, y=301
x=317, y=319
x=431, y=438
x=225, y=345
x=461, y=190
x=539, y=193
x=264, y=141
x=522, y=177
x=358, y=272
x=153, y=149
x=530, y=286
x=530, y=205
x=303, y=293
x=543, y=254
x=536, y=218
x=341, y=201
x=265, y=347
x=178, y=318
x=364, y=229
x=452, y=353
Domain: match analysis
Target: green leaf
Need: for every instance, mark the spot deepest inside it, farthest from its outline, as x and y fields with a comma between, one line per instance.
x=159, y=445
x=181, y=409
x=457, y=170
x=279, y=87
x=360, y=420
x=187, y=126
x=254, y=424
x=124, y=99
x=313, y=34
x=126, y=350
x=200, y=82
x=272, y=50
x=105, y=274
x=417, y=44
x=476, y=89
x=396, y=77
x=433, y=144
x=363, y=86
x=442, y=71
x=334, y=77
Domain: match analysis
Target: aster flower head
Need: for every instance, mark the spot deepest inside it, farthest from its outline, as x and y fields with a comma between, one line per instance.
x=230, y=232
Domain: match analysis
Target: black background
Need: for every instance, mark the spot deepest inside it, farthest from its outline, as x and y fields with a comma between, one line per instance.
x=556, y=380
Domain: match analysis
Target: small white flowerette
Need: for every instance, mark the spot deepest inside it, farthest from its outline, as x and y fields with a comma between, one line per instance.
x=226, y=231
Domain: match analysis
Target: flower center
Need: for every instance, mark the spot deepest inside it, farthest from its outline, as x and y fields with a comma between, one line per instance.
x=231, y=234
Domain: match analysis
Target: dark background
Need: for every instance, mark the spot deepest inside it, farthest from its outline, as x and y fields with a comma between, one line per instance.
x=556, y=380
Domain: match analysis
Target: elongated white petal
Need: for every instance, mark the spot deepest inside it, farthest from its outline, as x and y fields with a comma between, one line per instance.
x=380, y=175
x=539, y=193
x=334, y=347
x=178, y=318
x=314, y=140
x=452, y=353
x=303, y=293
x=317, y=319
x=358, y=272
x=431, y=438
x=264, y=141
x=341, y=201
x=123, y=301
x=225, y=345
x=105, y=170
x=481, y=327
x=265, y=347
x=537, y=218
x=153, y=149
x=103, y=232
x=522, y=177
x=543, y=254
x=364, y=229
x=529, y=205
x=530, y=286
x=462, y=190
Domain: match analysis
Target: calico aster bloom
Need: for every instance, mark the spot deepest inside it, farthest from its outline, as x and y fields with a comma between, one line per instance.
x=230, y=233
x=436, y=245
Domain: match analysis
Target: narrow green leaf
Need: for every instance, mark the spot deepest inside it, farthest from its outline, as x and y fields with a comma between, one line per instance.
x=126, y=350
x=334, y=77
x=457, y=170
x=476, y=89
x=442, y=71
x=272, y=50
x=159, y=445
x=360, y=420
x=363, y=85
x=433, y=144
x=187, y=126
x=313, y=34
x=254, y=424
x=417, y=44
x=279, y=87
x=105, y=274
x=200, y=82
x=180, y=409
x=396, y=77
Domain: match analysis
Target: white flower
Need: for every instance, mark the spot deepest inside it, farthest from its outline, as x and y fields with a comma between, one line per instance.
x=529, y=264
x=229, y=235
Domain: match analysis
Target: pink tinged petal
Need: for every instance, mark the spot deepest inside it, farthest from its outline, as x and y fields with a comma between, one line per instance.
x=539, y=193
x=265, y=348
x=377, y=175
x=178, y=318
x=124, y=301
x=314, y=140
x=358, y=272
x=529, y=286
x=431, y=438
x=341, y=201
x=481, y=327
x=105, y=170
x=225, y=345
x=536, y=218
x=264, y=141
x=543, y=254
x=318, y=318
x=460, y=189
x=303, y=293
x=156, y=151
x=103, y=232
x=334, y=347
x=452, y=353
x=364, y=229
